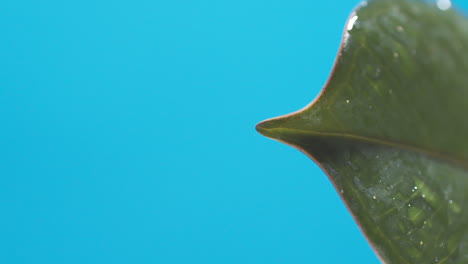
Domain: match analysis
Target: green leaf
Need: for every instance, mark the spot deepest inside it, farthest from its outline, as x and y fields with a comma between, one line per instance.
x=390, y=129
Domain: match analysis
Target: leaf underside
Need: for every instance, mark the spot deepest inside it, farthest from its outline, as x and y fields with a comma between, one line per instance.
x=390, y=129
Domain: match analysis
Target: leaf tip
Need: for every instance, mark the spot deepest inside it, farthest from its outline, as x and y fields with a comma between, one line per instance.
x=264, y=128
x=270, y=128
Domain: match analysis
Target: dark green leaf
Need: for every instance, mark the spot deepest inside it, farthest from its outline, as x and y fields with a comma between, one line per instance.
x=390, y=129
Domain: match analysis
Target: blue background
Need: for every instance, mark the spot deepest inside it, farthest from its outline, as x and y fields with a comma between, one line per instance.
x=127, y=133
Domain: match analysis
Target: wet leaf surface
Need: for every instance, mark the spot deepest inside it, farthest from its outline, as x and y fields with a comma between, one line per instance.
x=390, y=129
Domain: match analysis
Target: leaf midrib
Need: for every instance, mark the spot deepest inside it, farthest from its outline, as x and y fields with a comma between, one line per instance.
x=460, y=162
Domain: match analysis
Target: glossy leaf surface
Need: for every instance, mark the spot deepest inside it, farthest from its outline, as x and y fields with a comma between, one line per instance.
x=390, y=129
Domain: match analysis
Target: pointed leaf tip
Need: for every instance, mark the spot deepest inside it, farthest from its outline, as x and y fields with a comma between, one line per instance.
x=273, y=128
x=278, y=129
x=265, y=128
